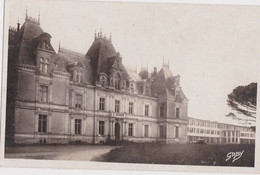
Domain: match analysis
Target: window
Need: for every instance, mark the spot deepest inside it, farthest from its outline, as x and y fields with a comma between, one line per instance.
x=162, y=132
x=146, y=110
x=78, y=101
x=178, y=98
x=177, y=112
x=146, y=128
x=132, y=88
x=162, y=110
x=42, y=125
x=101, y=128
x=102, y=104
x=117, y=84
x=78, y=76
x=78, y=126
x=131, y=107
x=44, y=62
x=117, y=106
x=147, y=90
x=130, y=129
x=102, y=81
x=43, y=93
x=177, y=131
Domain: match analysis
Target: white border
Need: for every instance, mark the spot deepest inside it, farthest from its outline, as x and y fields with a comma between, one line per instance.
x=148, y=168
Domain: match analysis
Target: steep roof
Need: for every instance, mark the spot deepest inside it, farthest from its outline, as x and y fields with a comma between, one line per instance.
x=23, y=38
x=163, y=82
x=99, y=52
x=74, y=58
x=133, y=74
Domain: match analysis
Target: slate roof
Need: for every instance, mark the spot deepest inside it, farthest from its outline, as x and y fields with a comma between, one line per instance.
x=163, y=82
x=67, y=58
x=133, y=74
x=23, y=39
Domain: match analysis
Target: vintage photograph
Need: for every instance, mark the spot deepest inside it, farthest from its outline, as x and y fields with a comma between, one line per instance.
x=142, y=83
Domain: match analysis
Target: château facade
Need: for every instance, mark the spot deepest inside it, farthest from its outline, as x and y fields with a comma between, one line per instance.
x=68, y=97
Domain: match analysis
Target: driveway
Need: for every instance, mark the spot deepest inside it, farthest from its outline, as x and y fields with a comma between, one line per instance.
x=59, y=152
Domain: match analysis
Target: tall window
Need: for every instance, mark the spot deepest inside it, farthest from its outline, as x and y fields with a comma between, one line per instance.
x=78, y=101
x=78, y=76
x=146, y=110
x=78, y=126
x=101, y=128
x=162, y=108
x=161, y=132
x=42, y=125
x=131, y=107
x=117, y=84
x=147, y=90
x=146, y=129
x=177, y=112
x=102, y=104
x=130, y=129
x=117, y=106
x=44, y=62
x=132, y=88
x=43, y=93
x=177, y=131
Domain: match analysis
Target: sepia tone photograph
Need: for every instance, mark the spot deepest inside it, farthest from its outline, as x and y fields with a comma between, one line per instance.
x=131, y=83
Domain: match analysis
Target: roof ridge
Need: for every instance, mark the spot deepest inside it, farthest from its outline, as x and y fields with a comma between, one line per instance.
x=71, y=52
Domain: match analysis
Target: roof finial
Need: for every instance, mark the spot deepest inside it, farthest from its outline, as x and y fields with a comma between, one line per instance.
x=39, y=16
x=163, y=61
x=100, y=32
x=26, y=14
x=95, y=34
x=59, y=45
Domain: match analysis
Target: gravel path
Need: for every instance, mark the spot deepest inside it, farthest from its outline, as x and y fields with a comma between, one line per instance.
x=55, y=152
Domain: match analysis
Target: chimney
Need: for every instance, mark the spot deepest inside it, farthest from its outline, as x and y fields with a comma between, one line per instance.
x=155, y=70
x=18, y=26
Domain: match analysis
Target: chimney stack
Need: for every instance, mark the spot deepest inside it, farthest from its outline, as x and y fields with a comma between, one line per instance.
x=18, y=25
x=155, y=70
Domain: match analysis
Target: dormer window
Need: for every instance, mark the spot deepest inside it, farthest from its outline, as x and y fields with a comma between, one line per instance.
x=147, y=90
x=132, y=88
x=44, y=63
x=78, y=76
x=117, y=84
x=103, y=81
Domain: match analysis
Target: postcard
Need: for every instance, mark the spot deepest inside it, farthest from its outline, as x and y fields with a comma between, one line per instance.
x=130, y=86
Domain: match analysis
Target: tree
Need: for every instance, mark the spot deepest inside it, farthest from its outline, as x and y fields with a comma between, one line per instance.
x=243, y=101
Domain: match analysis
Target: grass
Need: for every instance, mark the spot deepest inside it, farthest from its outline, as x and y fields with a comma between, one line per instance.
x=182, y=154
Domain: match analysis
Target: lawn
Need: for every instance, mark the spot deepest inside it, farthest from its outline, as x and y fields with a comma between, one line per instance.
x=182, y=154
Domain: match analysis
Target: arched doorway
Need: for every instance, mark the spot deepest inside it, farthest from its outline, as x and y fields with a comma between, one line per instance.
x=117, y=131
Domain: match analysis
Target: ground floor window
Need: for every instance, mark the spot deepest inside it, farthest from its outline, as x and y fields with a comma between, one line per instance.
x=42, y=125
x=130, y=129
x=177, y=131
x=146, y=128
x=101, y=128
x=162, y=134
x=78, y=126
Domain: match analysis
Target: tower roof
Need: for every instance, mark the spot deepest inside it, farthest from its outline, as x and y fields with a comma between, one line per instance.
x=99, y=53
x=23, y=39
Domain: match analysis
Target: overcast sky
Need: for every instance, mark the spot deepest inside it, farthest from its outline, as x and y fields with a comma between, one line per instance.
x=214, y=48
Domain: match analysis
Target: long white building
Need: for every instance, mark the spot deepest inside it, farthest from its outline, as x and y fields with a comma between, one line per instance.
x=214, y=132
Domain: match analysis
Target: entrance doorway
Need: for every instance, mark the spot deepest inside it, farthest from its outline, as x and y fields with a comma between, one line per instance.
x=117, y=131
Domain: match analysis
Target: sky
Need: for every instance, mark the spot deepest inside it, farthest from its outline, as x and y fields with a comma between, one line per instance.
x=214, y=48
